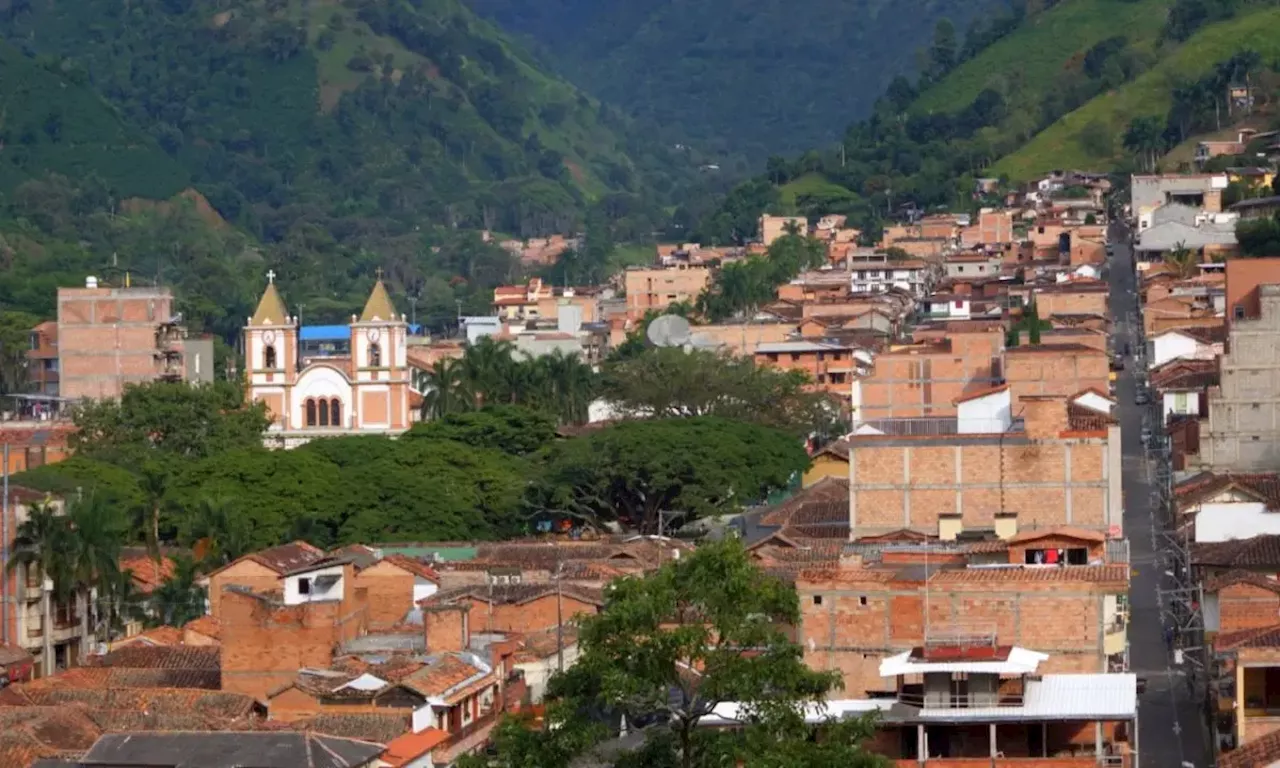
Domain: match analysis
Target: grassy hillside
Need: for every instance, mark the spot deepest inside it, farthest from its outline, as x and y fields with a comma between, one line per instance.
x=1060, y=145
x=754, y=76
x=1036, y=54
x=75, y=134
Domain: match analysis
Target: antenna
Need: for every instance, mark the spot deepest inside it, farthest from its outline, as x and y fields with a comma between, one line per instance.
x=668, y=331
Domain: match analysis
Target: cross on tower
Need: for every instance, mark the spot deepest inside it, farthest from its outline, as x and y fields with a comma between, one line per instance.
x=271, y=276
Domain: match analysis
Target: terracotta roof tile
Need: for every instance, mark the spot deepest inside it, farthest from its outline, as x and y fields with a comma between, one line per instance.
x=1263, y=486
x=1231, y=578
x=147, y=573
x=376, y=727
x=1264, y=637
x=826, y=491
x=1186, y=374
x=287, y=557
x=411, y=746
x=1262, y=751
x=416, y=567
x=162, y=657
x=1257, y=552
x=440, y=677
x=164, y=635
x=1080, y=573
x=205, y=625
x=838, y=448
x=1082, y=419
x=509, y=594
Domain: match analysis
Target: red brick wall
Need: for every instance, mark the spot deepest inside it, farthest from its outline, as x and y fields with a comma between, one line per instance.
x=531, y=616
x=859, y=623
x=245, y=573
x=1071, y=303
x=1244, y=606
x=264, y=645
x=1055, y=372
x=447, y=627
x=976, y=480
x=390, y=594
x=906, y=384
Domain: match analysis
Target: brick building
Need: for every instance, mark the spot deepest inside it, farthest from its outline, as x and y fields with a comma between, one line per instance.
x=1062, y=368
x=1049, y=463
x=855, y=615
x=654, y=289
x=111, y=337
x=926, y=378
x=519, y=608
x=42, y=360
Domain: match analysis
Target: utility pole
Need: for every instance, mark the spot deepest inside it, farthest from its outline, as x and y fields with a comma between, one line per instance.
x=559, y=611
x=4, y=555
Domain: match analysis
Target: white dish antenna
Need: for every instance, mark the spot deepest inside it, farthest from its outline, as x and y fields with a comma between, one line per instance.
x=668, y=331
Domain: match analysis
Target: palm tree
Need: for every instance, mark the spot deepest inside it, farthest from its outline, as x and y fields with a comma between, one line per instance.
x=445, y=390
x=96, y=533
x=569, y=384
x=218, y=533
x=486, y=367
x=179, y=599
x=154, y=483
x=41, y=543
x=1182, y=261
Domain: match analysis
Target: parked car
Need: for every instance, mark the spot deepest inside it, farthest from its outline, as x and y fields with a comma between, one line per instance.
x=1117, y=363
x=1142, y=398
x=1146, y=437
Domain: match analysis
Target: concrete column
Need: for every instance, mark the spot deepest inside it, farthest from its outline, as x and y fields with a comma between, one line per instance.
x=922, y=744
x=992, y=728
x=1097, y=741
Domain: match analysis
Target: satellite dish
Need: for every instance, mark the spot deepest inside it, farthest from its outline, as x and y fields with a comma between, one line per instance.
x=668, y=331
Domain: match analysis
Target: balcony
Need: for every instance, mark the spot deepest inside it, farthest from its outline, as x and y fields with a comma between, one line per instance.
x=469, y=739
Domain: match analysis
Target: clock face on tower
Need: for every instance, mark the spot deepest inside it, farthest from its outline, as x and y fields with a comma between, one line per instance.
x=374, y=335
x=269, y=337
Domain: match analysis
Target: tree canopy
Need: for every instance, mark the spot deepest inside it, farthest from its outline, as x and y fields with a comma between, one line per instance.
x=669, y=648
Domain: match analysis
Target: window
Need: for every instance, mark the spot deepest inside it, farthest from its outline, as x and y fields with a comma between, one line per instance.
x=960, y=269
x=323, y=408
x=1238, y=312
x=311, y=413
x=862, y=599
x=375, y=356
x=269, y=357
x=1180, y=402
x=304, y=586
x=335, y=412
x=817, y=599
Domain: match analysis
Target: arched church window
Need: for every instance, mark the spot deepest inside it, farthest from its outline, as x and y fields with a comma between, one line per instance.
x=375, y=356
x=269, y=357
x=311, y=412
x=324, y=412
x=335, y=412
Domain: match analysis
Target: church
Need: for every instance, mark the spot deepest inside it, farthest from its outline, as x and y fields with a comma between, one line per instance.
x=363, y=390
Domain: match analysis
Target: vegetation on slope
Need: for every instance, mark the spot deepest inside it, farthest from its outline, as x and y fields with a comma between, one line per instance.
x=1066, y=143
x=754, y=77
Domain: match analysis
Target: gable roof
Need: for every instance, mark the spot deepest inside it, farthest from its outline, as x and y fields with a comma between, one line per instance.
x=1183, y=374
x=1261, y=486
x=513, y=594
x=147, y=572
x=416, y=567
x=1257, y=552
x=1232, y=578
x=838, y=448
x=281, y=559
x=1257, y=753
x=205, y=625
x=379, y=307
x=227, y=750
x=271, y=309
x=827, y=491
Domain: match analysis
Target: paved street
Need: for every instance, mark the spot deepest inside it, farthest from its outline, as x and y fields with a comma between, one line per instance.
x=1172, y=731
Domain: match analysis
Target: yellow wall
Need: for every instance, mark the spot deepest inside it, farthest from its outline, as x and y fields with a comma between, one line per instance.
x=826, y=465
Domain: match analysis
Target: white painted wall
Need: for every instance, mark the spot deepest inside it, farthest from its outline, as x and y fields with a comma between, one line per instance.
x=985, y=415
x=1095, y=402
x=331, y=591
x=536, y=673
x=1171, y=346
x=1181, y=404
x=319, y=381
x=1225, y=521
x=423, y=588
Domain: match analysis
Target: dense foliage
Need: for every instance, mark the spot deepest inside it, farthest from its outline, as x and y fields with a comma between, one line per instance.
x=714, y=612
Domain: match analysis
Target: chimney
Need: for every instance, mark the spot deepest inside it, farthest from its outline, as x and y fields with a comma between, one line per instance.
x=447, y=627
x=1044, y=416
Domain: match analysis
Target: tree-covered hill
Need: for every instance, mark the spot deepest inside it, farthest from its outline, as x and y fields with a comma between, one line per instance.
x=356, y=115
x=1087, y=84
x=758, y=76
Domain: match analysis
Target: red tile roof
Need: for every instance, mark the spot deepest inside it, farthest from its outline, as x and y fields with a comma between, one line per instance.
x=1265, y=637
x=165, y=635
x=147, y=573
x=1231, y=578
x=1082, y=419
x=411, y=746
x=1186, y=375
x=205, y=625
x=440, y=677
x=1080, y=573
x=1256, y=552
x=373, y=726
x=162, y=657
x=286, y=557
x=416, y=567
x=1263, y=486
x=1259, y=752
x=827, y=491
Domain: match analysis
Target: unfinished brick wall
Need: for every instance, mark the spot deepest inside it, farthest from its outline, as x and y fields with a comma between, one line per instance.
x=927, y=381
x=106, y=338
x=1083, y=302
x=265, y=644
x=530, y=616
x=1054, y=369
x=849, y=623
x=390, y=594
x=908, y=483
x=447, y=627
x=1245, y=606
x=245, y=573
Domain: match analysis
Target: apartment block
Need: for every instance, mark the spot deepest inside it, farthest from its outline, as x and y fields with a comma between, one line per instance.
x=110, y=337
x=653, y=289
x=926, y=378
x=855, y=616
x=1048, y=463
x=1061, y=369
x=1243, y=430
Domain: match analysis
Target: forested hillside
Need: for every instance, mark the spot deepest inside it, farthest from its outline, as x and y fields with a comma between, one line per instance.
x=754, y=76
x=329, y=137
x=1088, y=84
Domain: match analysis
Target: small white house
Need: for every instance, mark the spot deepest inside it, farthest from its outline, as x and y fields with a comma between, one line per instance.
x=320, y=581
x=986, y=412
x=1185, y=344
x=1223, y=507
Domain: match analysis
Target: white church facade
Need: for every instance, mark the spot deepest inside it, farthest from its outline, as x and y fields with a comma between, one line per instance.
x=363, y=392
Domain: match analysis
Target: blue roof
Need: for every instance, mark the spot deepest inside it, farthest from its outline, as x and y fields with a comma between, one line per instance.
x=324, y=333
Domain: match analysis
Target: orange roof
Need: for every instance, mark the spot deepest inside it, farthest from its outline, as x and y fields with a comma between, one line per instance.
x=205, y=625
x=980, y=393
x=416, y=567
x=412, y=746
x=147, y=573
x=164, y=635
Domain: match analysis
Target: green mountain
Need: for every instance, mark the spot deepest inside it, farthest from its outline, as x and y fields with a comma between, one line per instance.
x=760, y=76
x=1088, y=84
x=410, y=111
x=330, y=137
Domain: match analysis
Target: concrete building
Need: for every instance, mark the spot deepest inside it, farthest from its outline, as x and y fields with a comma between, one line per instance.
x=110, y=337
x=1055, y=369
x=926, y=378
x=654, y=289
x=42, y=360
x=1035, y=463
x=1243, y=431
x=774, y=227
x=1200, y=190
x=973, y=265
x=878, y=273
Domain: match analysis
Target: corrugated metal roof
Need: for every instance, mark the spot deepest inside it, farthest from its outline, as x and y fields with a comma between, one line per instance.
x=324, y=333
x=1057, y=697
x=734, y=713
x=1019, y=662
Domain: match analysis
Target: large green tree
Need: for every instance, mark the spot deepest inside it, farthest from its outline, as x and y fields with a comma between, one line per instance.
x=703, y=631
x=667, y=382
x=684, y=468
